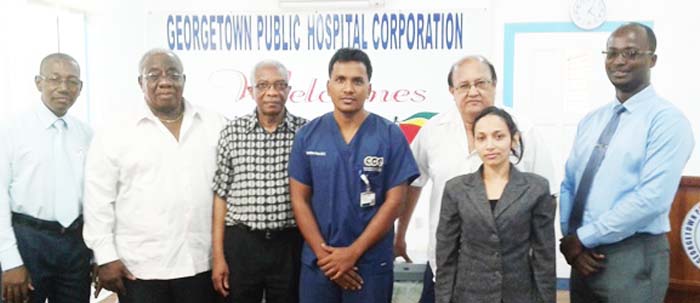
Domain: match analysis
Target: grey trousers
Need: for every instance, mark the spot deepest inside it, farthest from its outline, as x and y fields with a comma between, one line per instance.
x=636, y=270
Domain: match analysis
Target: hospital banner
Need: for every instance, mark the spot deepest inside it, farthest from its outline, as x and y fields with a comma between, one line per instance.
x=411, y=53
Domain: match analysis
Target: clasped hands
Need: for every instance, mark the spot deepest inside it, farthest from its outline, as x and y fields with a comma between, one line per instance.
x=585, y=261
x=338, y=264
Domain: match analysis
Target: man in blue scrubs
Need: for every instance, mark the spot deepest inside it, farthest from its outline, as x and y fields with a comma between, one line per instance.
x=349, y=171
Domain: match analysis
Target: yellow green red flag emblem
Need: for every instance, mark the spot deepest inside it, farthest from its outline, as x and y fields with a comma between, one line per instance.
x=411, y=125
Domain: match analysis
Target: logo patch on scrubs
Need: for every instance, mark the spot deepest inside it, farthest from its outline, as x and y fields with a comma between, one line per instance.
x=373, y=163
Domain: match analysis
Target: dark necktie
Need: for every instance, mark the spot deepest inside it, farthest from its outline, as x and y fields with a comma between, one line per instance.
x=597, y=156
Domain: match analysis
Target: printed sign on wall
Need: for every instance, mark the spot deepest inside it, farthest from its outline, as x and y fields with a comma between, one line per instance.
x=411, y=54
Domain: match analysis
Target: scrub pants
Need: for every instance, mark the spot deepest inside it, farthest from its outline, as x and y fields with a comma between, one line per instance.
x=315, y=287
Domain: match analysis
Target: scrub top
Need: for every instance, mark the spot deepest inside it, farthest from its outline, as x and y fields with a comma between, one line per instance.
x=338, y=174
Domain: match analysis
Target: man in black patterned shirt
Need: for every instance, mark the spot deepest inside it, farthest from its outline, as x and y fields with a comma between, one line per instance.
x=256, y=244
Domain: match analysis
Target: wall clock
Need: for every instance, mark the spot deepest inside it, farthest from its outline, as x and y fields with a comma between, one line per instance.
x=588, y=14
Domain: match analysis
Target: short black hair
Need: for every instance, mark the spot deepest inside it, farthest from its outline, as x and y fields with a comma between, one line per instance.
x=651, y=37
x=481, y=59
x=512, y=127
x=351, y=54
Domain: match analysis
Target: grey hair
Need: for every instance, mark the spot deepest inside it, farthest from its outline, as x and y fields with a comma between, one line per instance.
x=57, y=57
x=270, y=63
x=156, y=51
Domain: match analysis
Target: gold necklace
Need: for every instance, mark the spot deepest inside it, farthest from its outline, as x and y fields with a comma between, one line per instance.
x=172, y=120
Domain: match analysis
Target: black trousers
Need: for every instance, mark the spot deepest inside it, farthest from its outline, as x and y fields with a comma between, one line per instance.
x=263, y=262
x=195, y=289
x=57, y=259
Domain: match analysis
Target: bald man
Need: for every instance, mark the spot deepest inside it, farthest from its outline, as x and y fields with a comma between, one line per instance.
x=42, y=252
x=444, y=149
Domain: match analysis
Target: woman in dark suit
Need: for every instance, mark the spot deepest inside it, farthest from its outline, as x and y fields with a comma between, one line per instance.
x=495, y=237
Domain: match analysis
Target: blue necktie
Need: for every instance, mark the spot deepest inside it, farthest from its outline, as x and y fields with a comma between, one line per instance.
x=597, y=156
x=66, y=204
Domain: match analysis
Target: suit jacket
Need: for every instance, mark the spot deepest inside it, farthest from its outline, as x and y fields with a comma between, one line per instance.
x=505, y=255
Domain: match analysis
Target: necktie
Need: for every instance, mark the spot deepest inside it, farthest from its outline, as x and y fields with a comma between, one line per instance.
x=66, y=204
x=597, y=156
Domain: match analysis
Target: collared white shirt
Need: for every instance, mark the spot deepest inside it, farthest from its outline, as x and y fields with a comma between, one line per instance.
x=441, y=149
x=27, y=173
x=148, y=197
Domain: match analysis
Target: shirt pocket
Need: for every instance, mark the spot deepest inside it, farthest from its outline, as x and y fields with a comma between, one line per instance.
x=31, y=156
x=376, y=181
x=375, y=169
x=322, y=167
x=376, y=186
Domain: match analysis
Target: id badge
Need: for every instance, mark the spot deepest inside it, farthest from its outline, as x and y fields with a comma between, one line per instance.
x=367, y=199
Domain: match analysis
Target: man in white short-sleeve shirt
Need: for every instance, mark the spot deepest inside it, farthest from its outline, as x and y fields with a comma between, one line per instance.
x=444, y=149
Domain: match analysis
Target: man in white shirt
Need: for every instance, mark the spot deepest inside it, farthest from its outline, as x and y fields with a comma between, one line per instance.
x=148, y=198
x=444, y=149
x=41, y=177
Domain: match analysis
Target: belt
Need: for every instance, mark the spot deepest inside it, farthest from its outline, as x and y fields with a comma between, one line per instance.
x=267, y=233
x=50, y=226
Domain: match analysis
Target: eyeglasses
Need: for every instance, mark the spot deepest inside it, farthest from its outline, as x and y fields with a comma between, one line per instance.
x=172, y=76
x=71, y=82
x=627, y=53
x=479, y=84
x=263, y=86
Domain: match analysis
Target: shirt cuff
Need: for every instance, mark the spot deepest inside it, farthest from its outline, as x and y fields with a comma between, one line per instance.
x=105, y=254
x=419, y=181
x=10, y=258
x=587, y=235
x=221, y=192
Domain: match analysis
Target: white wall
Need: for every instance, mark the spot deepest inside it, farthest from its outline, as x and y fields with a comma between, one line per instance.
x=37, y=30
x=673, y=21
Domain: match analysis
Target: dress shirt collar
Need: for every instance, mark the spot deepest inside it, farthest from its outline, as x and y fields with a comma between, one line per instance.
x=453, y=120
x=143, y=112
x=47, y=117
x=287, y=122
x=637, y=100
x=451, y=116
